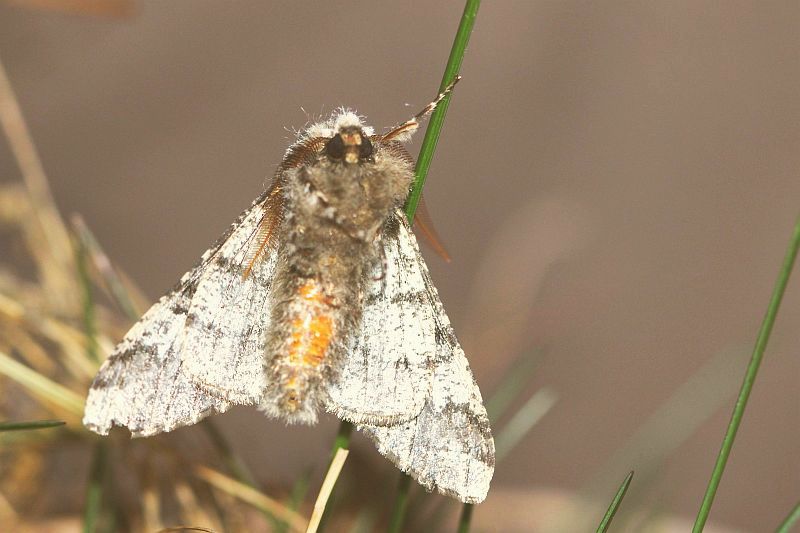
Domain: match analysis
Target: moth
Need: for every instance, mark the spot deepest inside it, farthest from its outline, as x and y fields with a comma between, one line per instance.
x=316, y=299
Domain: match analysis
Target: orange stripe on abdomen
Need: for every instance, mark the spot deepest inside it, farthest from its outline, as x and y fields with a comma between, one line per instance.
x=311, y=329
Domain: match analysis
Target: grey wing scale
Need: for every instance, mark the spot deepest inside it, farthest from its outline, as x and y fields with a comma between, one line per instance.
x=143, y=385
x=386, y=377
x=223, y=348
x=449, y=446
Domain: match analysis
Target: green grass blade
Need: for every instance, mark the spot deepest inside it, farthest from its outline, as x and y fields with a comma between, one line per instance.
x=342, y=439
x=24, y=426
x=790, y=520
x=421, y=171
x=612, y=509
x=749, y=379
x=400, y=504
x=94, y=490
x=466, y=518
x=424, y=160
x=437, y=118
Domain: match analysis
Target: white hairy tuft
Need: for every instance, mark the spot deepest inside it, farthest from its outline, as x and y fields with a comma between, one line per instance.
x=341, y=118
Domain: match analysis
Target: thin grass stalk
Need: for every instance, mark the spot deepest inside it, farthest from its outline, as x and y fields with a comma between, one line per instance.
x=252, y=496
x=400, y=504
x=436, y=122
x=749, y=379
x=326, y=490
x=43, y=388
x=465, y=519
x=789, y=521
x=605, y=523
x=87, y=301
x=342, y=441
x=63, y=290
x=94, y=489
x=114, y=284
x=421, y=169
x=25, y=426
x=235, y=465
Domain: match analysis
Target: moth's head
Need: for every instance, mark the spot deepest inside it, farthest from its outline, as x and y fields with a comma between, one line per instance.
x=350, y=145
x=347, y=138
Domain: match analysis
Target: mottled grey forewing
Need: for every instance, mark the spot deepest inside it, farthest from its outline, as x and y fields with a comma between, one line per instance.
x=223, y=348
x=449, y=446
x=386, y=375
x=143, y=385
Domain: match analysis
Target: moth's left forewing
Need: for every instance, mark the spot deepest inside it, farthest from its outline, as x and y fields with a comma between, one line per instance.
x=145, y=384
x=142, y=385
x=448, y=447
x=223, y=342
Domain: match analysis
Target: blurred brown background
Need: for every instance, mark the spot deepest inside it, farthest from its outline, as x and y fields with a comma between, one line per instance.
x=616, y=183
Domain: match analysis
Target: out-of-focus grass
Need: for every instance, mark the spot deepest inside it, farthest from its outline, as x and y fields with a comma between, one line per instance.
x=56, y=327
x=26, y=426
x=790, y=521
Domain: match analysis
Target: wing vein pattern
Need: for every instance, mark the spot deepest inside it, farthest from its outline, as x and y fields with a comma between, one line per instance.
x=386, y=377
x=144, y=384
x=449, y=446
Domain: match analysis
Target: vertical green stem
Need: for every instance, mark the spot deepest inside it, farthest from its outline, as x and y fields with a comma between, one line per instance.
x=466, y=518
x=94, y=490
x=421, y=172
x=400, y=504
x=342, y=439
x=749, y=379
x=437, y=119
x=424, y=160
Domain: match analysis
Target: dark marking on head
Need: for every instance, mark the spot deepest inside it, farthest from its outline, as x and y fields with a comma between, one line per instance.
x=349, y=146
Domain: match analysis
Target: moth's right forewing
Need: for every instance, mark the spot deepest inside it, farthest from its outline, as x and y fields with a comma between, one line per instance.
x=448, y=447
x=386, y=377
